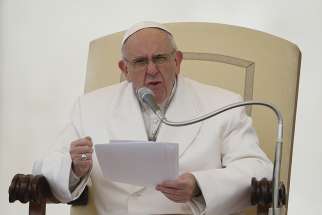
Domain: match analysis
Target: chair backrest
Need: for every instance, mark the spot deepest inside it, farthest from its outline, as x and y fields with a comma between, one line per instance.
x=254, y=64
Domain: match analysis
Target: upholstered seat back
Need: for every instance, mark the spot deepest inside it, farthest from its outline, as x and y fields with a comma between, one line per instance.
x=254, y=64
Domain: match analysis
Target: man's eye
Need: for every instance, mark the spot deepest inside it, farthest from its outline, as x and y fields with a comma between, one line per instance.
x=139, y=62
x=160, y=59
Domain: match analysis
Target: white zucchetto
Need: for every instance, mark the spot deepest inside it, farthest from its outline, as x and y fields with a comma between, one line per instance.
x=142, y=25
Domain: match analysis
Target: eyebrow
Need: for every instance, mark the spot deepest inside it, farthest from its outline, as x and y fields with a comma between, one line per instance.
x=154, y=55
x=138, y=58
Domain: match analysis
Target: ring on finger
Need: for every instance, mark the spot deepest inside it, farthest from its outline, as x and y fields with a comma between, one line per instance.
x=84, y=157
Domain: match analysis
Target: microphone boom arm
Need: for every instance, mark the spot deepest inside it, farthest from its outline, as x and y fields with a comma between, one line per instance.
x=278, y=146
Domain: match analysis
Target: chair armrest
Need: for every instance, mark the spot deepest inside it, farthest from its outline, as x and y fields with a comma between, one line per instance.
x=261, y=195
x=36, y=190
x=30, y=188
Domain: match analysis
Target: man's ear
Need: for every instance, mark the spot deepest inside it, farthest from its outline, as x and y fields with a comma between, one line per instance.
x=123, y=68
x=178, y=60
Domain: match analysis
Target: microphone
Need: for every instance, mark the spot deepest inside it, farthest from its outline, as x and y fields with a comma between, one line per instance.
x=147, y=96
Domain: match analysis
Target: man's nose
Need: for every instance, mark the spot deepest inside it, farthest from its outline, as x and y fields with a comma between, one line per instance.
x=152, y=68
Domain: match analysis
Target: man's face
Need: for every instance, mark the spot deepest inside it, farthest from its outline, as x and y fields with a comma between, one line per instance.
x=150, y=60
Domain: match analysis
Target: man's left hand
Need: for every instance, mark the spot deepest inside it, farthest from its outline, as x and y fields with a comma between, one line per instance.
x=181, y=190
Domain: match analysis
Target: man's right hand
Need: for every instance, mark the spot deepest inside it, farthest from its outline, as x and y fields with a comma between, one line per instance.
x=81, y=154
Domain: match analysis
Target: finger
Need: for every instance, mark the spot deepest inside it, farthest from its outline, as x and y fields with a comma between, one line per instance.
x=78, y=157
x=81, y=149
x=82, y=164
x=176, y=184
x=88, y=156
x=175, y=198
x=81, y=171
x=83, y=141
x=170, y=190
x=85, y=164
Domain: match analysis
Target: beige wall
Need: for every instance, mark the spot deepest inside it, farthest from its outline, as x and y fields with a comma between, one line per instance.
x=43, y=53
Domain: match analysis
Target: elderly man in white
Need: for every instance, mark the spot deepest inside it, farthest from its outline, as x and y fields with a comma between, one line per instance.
x=217, y=157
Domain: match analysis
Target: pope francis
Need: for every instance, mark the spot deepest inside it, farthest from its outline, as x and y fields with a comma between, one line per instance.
x=217, y=157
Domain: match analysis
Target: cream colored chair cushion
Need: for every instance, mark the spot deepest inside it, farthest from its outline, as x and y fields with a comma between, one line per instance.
x=254, y=64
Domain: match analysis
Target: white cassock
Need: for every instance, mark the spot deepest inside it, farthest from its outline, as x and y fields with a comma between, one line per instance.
x=221, y=152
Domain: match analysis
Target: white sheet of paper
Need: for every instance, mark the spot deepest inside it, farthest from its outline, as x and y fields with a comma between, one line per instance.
x=138, y=162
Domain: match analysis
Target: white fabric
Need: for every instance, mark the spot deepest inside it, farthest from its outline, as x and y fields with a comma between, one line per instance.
x=73, y=181
x=142, y=25
x=151, y=121
x=221, y=152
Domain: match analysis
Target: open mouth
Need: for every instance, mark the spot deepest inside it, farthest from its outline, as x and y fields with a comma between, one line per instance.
x=153, y=83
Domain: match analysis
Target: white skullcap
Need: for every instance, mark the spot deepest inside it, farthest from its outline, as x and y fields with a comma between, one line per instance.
x=142, y=25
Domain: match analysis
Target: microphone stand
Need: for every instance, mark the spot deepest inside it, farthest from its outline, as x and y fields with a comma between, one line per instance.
x=278, y=145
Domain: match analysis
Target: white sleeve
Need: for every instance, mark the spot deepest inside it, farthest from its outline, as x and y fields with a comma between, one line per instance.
x=226, y=190
x=197, y=205
x=73, y=180
x=56, y=166
x=77, y=184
